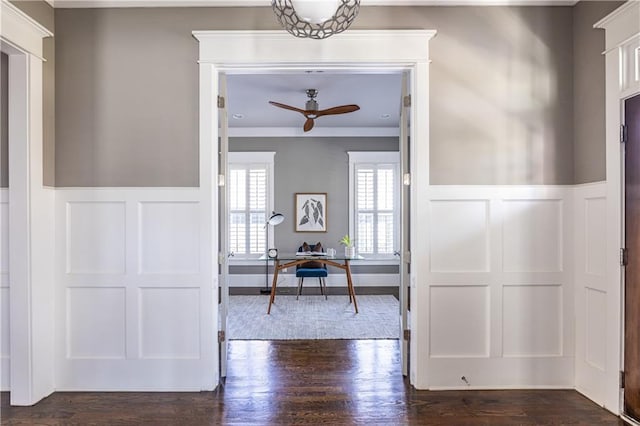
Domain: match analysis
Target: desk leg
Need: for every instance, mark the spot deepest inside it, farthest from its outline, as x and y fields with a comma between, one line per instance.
x=352, y=293
x=272, y=298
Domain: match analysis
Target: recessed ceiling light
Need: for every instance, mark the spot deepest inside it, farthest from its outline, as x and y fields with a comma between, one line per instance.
x=385, y=116
x=238, y=116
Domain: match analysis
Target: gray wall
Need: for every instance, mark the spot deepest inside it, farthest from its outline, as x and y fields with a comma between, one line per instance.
x=4, y=120
x=501, y=91
x=42, y=12
x=309, y=164
x=589, y=107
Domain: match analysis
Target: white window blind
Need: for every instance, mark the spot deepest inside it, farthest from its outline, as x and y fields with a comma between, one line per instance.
x=249, y=191
x=375, y=202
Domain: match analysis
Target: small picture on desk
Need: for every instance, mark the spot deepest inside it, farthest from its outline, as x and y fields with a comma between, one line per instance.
x=311, y=212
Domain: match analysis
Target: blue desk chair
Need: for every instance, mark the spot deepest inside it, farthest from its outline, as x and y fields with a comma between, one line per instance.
x=312, y=269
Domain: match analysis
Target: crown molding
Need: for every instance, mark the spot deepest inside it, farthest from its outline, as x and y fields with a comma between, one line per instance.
x=267, y=3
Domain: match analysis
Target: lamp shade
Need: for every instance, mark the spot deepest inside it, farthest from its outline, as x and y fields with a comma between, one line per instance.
x=275, y=219
x=315, y=11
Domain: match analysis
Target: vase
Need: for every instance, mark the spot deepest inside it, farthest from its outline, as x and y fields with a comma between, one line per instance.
x=350, y=252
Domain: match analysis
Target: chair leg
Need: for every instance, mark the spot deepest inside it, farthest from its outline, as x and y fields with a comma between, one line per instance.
x=324, y=284
x=300, y=280
x=321, y=290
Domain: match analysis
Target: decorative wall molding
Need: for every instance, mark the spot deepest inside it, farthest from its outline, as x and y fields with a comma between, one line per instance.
x=133, y=290
x=500, y=287
x=591, y=289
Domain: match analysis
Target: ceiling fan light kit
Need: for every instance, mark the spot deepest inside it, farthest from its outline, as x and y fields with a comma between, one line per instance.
x=311, y=111
x=316, y=19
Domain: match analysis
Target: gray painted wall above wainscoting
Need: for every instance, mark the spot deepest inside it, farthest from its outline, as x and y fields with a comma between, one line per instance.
x=308, y=164
x=501, y=90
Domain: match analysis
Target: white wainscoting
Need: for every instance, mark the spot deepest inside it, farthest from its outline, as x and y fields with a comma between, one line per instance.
x=500, y=287
x=4, y=290
x=134, y=304
x=591, y=290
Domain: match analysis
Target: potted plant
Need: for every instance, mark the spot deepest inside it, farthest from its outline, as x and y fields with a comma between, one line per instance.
x=349, y=249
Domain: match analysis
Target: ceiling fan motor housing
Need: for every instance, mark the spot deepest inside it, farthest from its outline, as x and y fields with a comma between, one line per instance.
x=311, y=105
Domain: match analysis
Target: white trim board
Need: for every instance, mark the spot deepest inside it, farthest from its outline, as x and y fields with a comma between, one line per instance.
x=621, y=42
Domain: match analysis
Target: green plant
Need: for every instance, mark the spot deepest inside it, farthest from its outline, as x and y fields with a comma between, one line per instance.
x=346, y=241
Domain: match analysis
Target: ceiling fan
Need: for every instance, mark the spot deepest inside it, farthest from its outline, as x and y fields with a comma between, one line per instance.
x=311, y=111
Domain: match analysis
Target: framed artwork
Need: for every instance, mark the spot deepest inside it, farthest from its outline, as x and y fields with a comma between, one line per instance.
x=311, y=212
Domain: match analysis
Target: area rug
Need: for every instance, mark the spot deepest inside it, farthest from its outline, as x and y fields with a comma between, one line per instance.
x=312, y=317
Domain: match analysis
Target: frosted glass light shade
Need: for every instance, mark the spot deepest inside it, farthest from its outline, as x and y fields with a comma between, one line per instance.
x=315, y=11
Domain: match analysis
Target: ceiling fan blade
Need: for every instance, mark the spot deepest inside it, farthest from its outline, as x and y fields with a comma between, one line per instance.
x=308, y=125
x=343, y=109
x=289, y=107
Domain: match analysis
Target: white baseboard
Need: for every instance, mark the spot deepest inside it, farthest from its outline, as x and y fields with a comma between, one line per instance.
x=333, y=280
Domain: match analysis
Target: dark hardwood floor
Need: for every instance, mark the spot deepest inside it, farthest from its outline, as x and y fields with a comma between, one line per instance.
x=336, y=382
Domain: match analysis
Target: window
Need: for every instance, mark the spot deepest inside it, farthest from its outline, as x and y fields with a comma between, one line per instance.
x=374, y=201
x=250, y=198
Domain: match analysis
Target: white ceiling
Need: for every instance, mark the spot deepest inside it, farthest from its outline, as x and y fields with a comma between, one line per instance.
x=253, y=3
x=378, y=96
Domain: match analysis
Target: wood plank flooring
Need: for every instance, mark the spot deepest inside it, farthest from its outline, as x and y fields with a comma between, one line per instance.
x=336, y=382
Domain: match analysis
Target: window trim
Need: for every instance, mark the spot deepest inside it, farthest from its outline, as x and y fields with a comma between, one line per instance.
x=375, y=157
x=255, y=157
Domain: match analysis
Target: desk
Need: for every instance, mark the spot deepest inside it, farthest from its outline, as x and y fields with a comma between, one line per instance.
x=284, y=261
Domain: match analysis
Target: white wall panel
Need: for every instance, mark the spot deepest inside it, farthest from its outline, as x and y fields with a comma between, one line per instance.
x=459, y=319
x=501, y=268
x=169, y=323
x=4, y=290
x=96, y=235
x=459, y=236
x=133, y=291
x=4, y=326
x=532, y=321
x=592, y=291
x=595, y=235
x=532, y=235
x=169, y=237
x=96, y=322
x=596, y=313
x=4, y=237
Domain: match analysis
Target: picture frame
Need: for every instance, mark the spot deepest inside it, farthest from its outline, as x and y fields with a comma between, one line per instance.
x=311, y=211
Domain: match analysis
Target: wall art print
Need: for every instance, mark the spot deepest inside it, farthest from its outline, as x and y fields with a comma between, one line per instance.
x=311, y=212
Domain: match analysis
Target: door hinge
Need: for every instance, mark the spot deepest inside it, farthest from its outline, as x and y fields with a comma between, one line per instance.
x=621, y=379
x=624, y=257
x=221, y=336
x=406, y=179
x=406, y=101
x=406, y=335
x=220, y=101
x=624, y=134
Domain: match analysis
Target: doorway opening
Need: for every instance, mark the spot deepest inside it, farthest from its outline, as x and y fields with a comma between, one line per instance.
x=351, y=163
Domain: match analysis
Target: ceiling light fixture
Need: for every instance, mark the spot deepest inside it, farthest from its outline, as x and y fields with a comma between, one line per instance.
x=315, y=19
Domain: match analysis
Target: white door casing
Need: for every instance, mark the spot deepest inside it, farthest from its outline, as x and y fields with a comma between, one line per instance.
x=31, y=233
x=230, y=51
x=622, y=69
